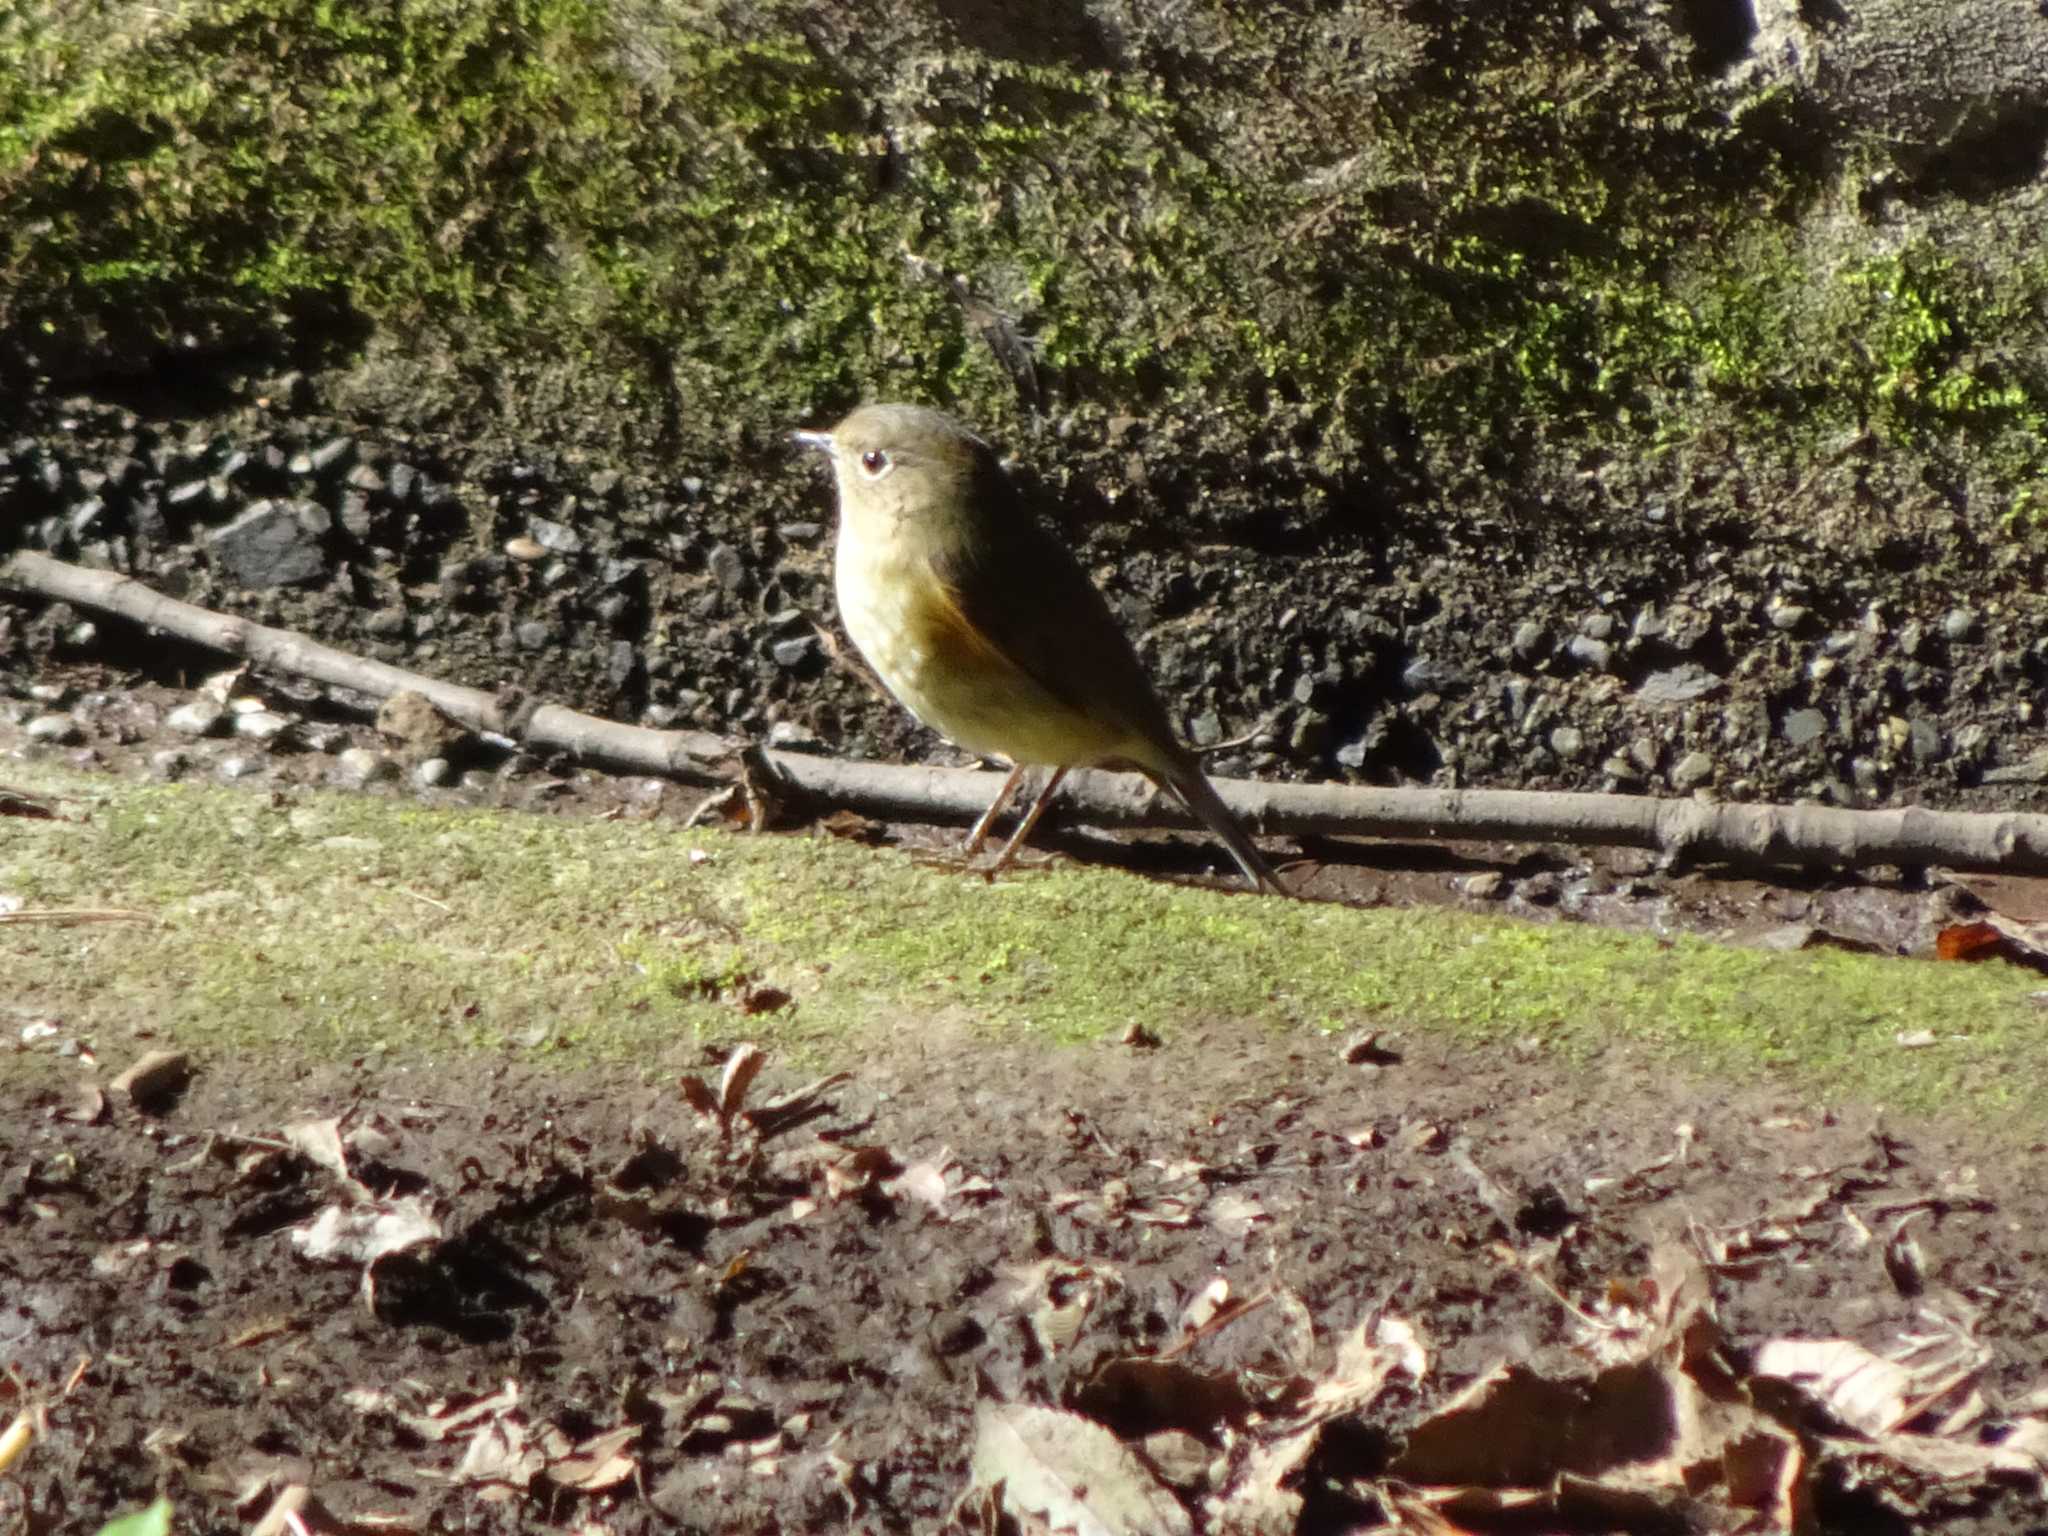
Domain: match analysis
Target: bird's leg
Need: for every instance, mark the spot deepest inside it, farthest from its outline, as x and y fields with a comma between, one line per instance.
x=1030, y=820
x=988, y=817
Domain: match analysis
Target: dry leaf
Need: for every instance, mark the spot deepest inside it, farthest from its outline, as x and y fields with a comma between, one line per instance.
x=1071, y=1473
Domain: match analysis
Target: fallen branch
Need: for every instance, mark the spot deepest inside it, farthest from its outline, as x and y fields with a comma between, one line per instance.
x=1756, y=835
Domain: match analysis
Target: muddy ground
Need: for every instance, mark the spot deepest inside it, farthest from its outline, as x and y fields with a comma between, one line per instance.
x=777, y=1334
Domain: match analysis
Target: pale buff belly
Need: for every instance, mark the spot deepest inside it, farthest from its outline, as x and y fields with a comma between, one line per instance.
x=974, y=699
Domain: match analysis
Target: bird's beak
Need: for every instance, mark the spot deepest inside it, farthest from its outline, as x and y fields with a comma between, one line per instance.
x=822, y=441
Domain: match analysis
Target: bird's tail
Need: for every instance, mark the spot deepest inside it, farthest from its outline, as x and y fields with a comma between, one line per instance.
x=1196, y=792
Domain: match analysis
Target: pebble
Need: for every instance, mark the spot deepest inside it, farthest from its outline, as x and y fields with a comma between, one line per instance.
x=1426, y=674
x=169, y=763
x=200, y=717
x=1531, y=642
x=239, y=766
x=261, y=725
x=725, y=566
x=1678, y=685
x=1804, y=727
x=1787, y=617
x=1691, y=771
x=1597, y=654
x=792, y=737
x=559, y=537
x=1568, y=742
x=275, y=543
x=1925, y=736
x=1959, y=623
x=358, y=766
x=432, y=773
x=1487, y=885
x=58, y=730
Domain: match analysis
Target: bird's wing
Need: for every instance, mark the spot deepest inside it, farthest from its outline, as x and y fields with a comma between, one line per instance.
x=1030, y=603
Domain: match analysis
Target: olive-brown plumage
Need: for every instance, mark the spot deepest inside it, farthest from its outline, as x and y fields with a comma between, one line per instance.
x=981, y=623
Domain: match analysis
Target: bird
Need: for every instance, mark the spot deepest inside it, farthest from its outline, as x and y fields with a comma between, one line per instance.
x=982, y=624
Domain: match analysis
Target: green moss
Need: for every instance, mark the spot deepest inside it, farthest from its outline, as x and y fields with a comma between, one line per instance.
x=1537, y=235
x=336, y=926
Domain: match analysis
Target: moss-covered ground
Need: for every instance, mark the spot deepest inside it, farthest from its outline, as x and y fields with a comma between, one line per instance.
x=345, y=926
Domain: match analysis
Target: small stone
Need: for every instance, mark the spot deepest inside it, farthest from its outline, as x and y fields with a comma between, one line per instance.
x=432, y=773
x=58, y=730
x=1911, y=639
x=1597, y=654
x=274, y=543
x=400, y=480
x=418, y=726
x=621, y=663
x=359, y=766
x=261, y=725
x=1804, y=727
x=1644, y=753
x=239, y=766
x=1531, y=641
x=1678, y=685
x=1787, y=617
x=559, y=537
x=323, y=737
x=2033, y=770
x=1597, y=626
x=1691, y=771
x=1487, y=885
x=1568, y=741
x=169, y=764
x=1868, y=776
x=355, y=514
x=534, y=634
x=792, y=737
x=1925, y=736
x=200, y=717
x=725, y=566
x=331, y=452
x=386, y=623
x=1959, y=623
x=522, y=548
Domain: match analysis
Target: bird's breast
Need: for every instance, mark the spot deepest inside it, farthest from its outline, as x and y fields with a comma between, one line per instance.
x=944, y=668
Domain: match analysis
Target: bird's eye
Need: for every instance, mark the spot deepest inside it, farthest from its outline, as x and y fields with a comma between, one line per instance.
x=874, y=463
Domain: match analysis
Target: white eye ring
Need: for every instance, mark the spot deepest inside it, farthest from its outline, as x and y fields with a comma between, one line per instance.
x=875, y=464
